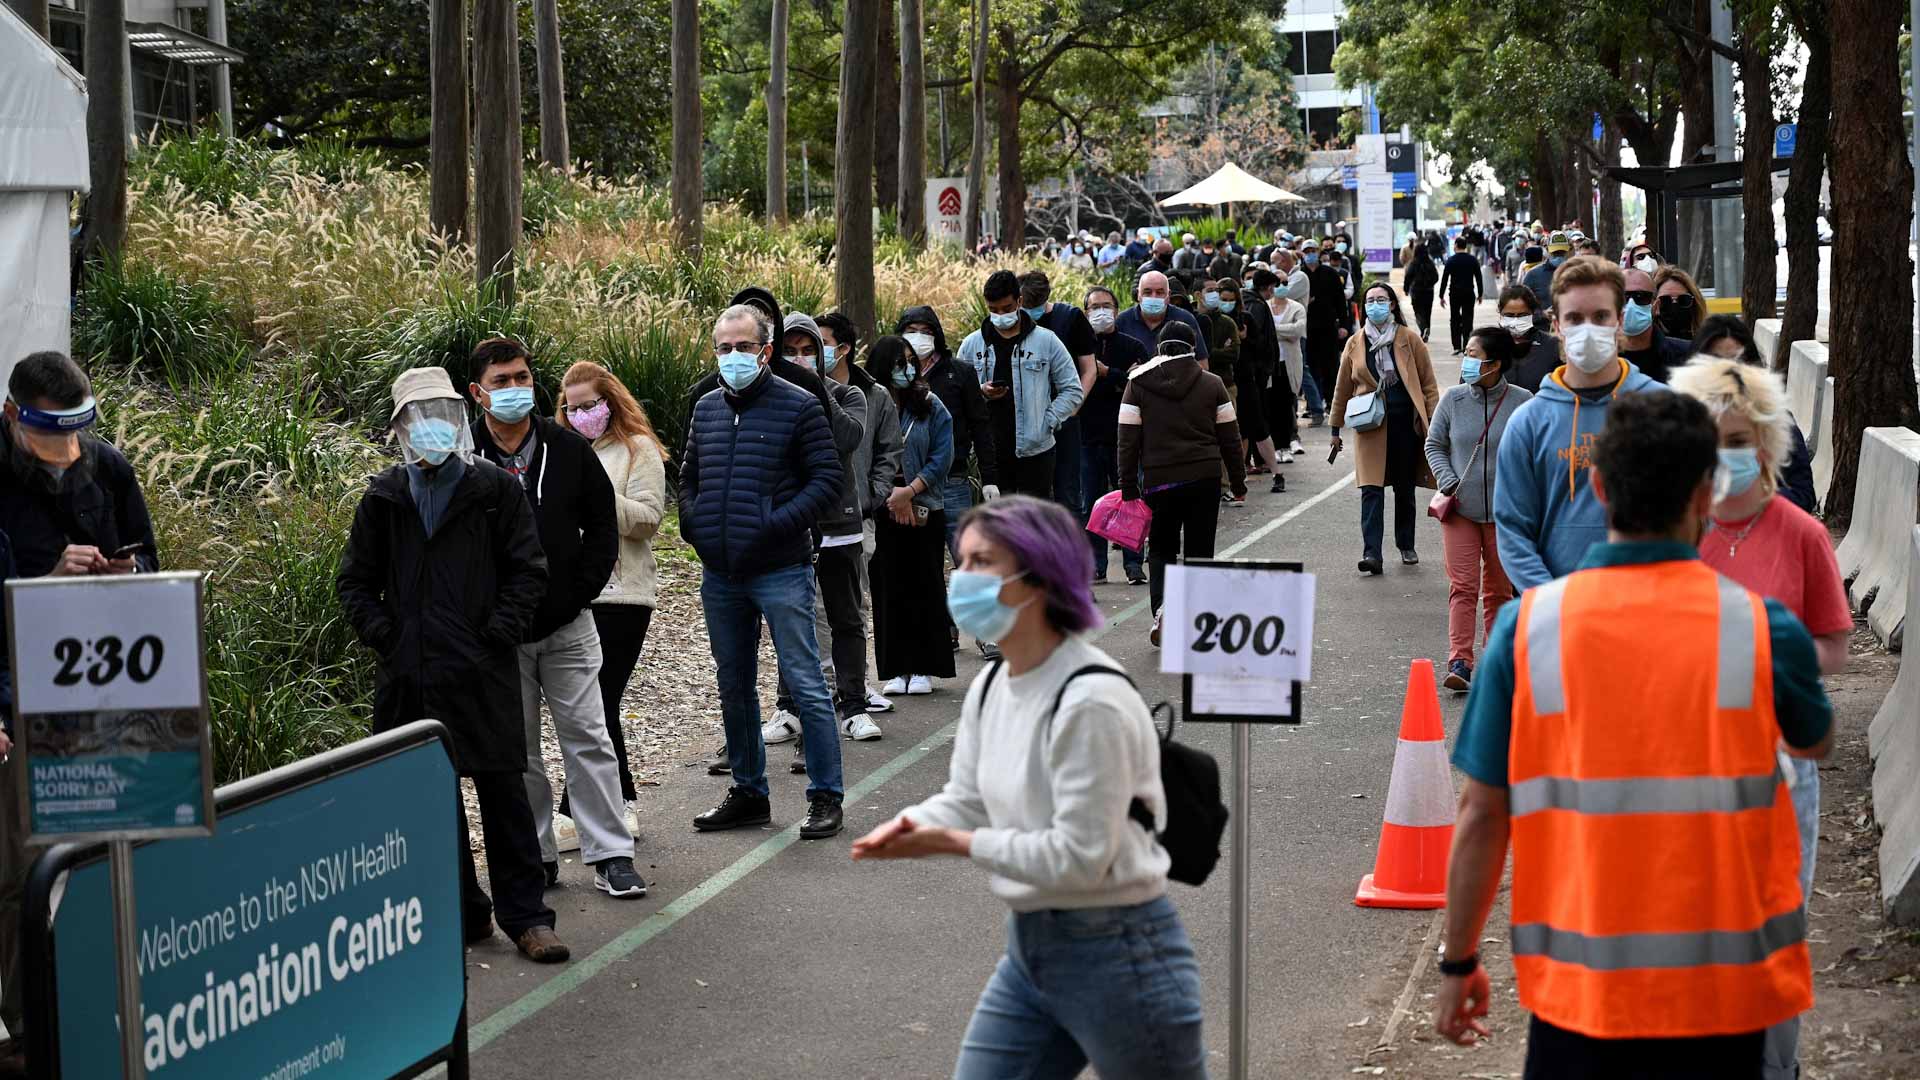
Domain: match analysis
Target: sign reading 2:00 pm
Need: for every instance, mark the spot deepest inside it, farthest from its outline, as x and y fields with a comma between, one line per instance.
x=111, y=697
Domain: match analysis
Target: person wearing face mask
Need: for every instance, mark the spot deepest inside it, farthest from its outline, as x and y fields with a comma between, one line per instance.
x=755, y=478
x=1054, y=788
x=1462, y=446
x=848, y=428
x=1540, y=277
x=1420, y=278
x=560, y=656
x=1111, y=254
x=1290, y=370
x=910, y=649
x=1464, y=278
x=1642, y=257
x=1544, y=510
x=1389, y=360
x=1623, y=737
x=1116, y=355
x=1727, y=337
x=958, y=388
x=1177, y=429
x=1153, y=311
x=1187, y=260
x=1253, y=365
x=442, y=576
x=1070, y=325
x=1329, y=322
x=1031, y=383
x=1078, y=257
x=1352, y=262
x=1678, y=305
x=1539, y=351
x=1641, y=341
x=1758, y=538
x=600, y=409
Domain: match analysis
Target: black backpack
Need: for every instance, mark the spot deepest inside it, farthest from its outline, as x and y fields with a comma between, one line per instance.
x=1196, y=818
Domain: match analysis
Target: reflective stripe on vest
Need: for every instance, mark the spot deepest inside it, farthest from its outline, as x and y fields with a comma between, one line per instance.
x=1655, y=876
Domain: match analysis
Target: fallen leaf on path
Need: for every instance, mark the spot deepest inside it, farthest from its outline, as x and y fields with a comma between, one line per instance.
x=699, y=982
x=1362, y=1022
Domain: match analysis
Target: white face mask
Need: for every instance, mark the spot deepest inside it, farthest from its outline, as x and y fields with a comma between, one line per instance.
x=1646, y=264
x=1102, y=319
x=1590, y=347
x=922, y=344
x=1517, y=325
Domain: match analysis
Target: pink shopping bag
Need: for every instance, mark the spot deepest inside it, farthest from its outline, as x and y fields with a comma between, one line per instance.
x=1122, y=521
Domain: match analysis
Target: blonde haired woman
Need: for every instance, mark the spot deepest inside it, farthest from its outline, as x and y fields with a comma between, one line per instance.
x=1760, y=539
x=601, y=408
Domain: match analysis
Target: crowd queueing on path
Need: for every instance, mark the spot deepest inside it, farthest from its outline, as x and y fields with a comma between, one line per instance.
x=1622, y=464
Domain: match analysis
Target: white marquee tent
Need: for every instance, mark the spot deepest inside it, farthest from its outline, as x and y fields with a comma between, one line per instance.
x=43, y=161
x=1231, y=184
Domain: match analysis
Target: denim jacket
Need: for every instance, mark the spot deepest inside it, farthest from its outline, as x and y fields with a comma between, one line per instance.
x=927, y=452
x=1046, y=385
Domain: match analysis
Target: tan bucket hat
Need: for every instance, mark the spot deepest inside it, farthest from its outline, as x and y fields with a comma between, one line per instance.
x=421, y=384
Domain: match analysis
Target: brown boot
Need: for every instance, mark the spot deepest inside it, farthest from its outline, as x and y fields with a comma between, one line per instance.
x=542, y=946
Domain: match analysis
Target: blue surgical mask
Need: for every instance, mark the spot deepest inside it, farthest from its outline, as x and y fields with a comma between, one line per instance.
x=433, y=439
x=739, y=369
x=1312, y=258
x=973, y=599
x=1469, y=369
x=1378, y=312
x=902, y=378
x=1153, y=305
x=1228, y=306
x=1212, y=299
x=828, y=355
x=1341, y=247
x=1036, y=313
x=1635, y=320
x=1005, y=322
x=510, y=404
x=1739, y=469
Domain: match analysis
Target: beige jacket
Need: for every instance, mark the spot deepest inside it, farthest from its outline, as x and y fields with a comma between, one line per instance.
x=639, y=503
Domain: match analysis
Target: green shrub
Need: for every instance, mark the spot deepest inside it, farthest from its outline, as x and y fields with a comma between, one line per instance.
x=337, y=162
x=139, y=316
x=444, y=334
x=659, y=363
x=209, y=166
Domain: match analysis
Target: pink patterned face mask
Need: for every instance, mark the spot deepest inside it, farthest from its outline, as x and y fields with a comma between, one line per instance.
x=591, y=422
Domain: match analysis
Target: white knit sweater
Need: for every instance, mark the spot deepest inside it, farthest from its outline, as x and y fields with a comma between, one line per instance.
x=639, y=503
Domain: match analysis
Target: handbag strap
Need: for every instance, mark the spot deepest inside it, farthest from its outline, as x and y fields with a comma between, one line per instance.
x=1485, y=431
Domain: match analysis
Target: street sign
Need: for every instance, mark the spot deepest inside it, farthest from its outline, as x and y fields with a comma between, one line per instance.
x=946, y=210
x=111, y=698
x=1238, y=619
x=1784, y=138
x=1399, y=157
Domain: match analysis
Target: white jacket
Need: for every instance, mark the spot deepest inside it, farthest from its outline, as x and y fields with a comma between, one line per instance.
x=639, y=504
x=1290, y=327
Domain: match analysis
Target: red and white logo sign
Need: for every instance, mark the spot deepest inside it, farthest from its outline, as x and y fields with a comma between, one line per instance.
x=950, y=201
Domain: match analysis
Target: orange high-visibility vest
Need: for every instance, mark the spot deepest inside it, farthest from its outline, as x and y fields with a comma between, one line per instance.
x=1656, y=861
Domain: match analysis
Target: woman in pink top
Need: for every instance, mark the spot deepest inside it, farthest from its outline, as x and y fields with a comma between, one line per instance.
x=1760, y=539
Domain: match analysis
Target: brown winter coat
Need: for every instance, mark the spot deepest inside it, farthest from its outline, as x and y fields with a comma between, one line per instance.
x=1416, y=370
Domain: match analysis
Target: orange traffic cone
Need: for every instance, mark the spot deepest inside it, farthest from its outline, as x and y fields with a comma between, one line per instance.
x=1410, y=869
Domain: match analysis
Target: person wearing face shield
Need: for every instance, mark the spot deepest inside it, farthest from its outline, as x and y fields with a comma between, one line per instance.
x=442, y=577
x=1544, y=509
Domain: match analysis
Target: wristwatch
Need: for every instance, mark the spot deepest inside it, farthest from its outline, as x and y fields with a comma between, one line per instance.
x=1459, y=967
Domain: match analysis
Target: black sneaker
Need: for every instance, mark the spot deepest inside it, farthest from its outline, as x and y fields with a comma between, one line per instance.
x=823, y=818
x=739, y=809
x=616, y=878
x=721, y=765
x=1136, y=578
x=553, y=874
x=1279, y=484
x=1370, y=565
x=1409, y=557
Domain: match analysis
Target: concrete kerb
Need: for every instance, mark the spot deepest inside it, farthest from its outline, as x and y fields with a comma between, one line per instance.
x=1886, y=504
x=1810, y=399
x=1766, y=334
x=1894, y=740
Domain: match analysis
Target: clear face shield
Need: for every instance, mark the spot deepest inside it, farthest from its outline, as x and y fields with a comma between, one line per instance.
x=432, y=431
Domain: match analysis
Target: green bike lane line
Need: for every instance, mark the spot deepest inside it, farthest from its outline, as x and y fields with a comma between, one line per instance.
x=577, y=973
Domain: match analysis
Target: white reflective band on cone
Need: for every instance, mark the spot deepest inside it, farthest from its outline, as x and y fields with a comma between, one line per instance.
x=1420, y=794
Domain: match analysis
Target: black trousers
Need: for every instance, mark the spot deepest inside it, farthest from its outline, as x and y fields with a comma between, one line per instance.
x=1323, y=359
x=1190, y=511
x=908, y=587
x=623, y=630
x=1404, y=450
x=1422, y=311
x=836, y=573
x=1026, y=475
x=513, y=859
x=1066, y=464
x=1460, y=311
x=1554, y=1053
x=1283, y=409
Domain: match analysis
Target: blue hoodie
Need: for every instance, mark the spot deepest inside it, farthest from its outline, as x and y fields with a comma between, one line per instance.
x=1543, y=508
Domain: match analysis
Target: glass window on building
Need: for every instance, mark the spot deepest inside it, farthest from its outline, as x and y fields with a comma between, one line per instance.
x=1320, y=46
x=1296, y=45
x=1323, y=125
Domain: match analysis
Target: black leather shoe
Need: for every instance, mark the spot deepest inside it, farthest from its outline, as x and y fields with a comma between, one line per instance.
x=823, y=818
x=739, y=809
x=1410, y=557
x=1370, y=566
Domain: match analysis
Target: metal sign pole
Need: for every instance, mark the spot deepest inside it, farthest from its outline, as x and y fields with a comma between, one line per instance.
x=1242, y=876
x=126, y=940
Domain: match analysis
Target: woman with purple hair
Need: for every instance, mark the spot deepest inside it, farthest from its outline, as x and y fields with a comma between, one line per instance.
x=1054, y=789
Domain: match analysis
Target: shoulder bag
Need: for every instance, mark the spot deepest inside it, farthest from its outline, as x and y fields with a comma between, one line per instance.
x=1444, y=504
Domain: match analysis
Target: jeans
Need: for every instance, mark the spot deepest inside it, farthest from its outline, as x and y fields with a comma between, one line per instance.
x=1190, y=510
x=1783, y=1039
x=958, y=496
x=1067, y=455
x=1475, y=579
x=623, y=631
x=513, y=859
x=564, y=667
x=1099, y=474
x=734, y=607
x=1114, y=987
x=1373, y=505
x=840, y=627
x=1310, y=390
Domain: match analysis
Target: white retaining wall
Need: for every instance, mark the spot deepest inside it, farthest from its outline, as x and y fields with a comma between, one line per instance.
x=1766, y=334
x=1894, y=740
x=1886, y=505
x=1810, y=399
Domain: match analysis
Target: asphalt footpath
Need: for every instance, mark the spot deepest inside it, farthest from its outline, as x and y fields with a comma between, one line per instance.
x=757, y=954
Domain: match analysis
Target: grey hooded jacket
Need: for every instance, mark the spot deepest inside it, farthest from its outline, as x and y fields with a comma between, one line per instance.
x=844, y=517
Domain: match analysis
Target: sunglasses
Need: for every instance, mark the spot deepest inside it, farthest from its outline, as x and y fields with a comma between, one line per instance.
x=1678, y=300
x=1642, y=297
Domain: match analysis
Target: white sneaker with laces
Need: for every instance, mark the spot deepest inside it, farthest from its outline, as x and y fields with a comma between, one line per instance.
x=784, y=727
x=920, y=684
x=633, y=817
x=1297, y=448
x=876, y=703
x=1286, y=457
x=895, y=687
x=566, y=837
x=859, y=728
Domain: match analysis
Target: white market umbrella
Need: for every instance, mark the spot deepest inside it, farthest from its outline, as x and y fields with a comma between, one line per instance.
x=1231, y=184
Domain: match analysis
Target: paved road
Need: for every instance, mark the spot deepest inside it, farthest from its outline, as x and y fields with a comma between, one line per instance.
x=758, y=955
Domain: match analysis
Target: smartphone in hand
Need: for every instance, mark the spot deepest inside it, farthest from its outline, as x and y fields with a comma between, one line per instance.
x=1333, y=453
x=138, y=547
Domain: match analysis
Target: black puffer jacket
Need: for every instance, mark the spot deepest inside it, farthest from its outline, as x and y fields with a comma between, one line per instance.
x=97, y=502
x=446, y=614
x=958, y=388
x=572, y=501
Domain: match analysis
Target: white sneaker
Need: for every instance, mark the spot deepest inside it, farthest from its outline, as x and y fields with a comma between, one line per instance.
x=895, y=687
x=565, y=836
x=1297, y=448
x=784, y=727
x=633, y=817
x=1286, y=457
x=920, y=684
x=859, y=728
x=876, y=703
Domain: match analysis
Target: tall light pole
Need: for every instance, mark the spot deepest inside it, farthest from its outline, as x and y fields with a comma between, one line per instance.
x=1727, y=261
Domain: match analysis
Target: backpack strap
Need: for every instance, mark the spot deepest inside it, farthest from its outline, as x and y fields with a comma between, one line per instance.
x=1136, y=810
x=986, y=684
